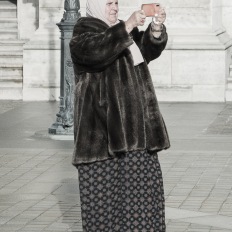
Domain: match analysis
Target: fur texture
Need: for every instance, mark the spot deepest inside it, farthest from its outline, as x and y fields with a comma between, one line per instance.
x=116, y=109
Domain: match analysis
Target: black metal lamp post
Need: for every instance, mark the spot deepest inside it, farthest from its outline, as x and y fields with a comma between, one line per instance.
x=64, y=119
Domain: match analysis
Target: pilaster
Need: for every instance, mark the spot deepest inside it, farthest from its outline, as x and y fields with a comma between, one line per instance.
x=41, y=56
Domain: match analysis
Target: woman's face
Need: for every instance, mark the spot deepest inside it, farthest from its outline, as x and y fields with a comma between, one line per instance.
x=111, y=11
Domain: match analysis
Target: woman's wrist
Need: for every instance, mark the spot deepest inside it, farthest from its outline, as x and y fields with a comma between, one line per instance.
x=129, y=26
x=156, y=27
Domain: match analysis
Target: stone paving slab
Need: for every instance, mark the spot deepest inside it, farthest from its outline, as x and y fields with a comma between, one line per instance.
x=41, y=193
x=39, y=186
x=223, y=123
x=9, y=105
x=221, y=222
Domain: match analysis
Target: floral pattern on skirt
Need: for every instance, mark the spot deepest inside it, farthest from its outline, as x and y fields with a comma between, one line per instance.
x=123, y=194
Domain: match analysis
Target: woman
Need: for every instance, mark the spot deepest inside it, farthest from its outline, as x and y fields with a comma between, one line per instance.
x=118, y=127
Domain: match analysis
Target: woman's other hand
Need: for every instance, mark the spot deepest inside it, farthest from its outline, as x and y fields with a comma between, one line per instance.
x=136, y=19
x=160, y=17
x=157, y=23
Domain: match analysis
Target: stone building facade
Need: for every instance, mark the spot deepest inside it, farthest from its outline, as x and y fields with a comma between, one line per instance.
x=196, y=65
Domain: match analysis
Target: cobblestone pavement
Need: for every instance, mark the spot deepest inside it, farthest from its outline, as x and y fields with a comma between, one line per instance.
x=39, y=187
x=223, y=123
x=9, y=105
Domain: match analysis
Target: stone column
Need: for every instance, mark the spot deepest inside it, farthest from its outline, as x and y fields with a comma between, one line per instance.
x=226, y=21
x=41, y=55
x=28, y=18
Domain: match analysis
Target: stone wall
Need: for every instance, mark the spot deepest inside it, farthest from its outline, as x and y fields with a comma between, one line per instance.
x=194, y=66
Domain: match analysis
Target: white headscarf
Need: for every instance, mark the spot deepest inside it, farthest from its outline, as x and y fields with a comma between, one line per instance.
x=96, y=9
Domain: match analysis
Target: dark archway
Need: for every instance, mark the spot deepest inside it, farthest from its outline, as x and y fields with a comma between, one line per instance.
x=13, y=1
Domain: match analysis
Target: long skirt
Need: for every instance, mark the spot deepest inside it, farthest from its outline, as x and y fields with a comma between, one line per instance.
x=123, y=194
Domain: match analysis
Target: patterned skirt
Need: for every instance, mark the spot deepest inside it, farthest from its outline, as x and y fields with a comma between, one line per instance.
x=123, y=194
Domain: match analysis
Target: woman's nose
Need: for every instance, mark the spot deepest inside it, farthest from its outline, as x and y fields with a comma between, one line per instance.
x=114, y=6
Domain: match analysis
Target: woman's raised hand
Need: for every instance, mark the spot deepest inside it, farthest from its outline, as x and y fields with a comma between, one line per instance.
x=136, y=19
x=157, y=23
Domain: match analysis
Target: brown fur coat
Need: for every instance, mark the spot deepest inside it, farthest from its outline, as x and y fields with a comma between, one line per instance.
x=116, y=109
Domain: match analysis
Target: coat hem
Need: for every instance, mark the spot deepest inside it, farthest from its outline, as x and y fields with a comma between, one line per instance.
x=115, y=154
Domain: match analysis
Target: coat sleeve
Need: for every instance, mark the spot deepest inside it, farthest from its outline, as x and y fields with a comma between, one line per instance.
x=93, y=51
x=150, y=47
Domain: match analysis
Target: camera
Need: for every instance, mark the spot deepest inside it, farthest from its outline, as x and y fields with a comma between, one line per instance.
x=151, y=10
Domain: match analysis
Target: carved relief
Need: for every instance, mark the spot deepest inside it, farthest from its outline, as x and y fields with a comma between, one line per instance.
x=64, y=121
x=69, y=95
x=72, y=8
x=71, y=5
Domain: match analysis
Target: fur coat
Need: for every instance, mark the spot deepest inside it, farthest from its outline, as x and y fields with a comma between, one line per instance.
x=115, y=106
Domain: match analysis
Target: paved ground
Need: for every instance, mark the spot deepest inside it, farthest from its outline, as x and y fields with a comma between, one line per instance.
x=39, y=187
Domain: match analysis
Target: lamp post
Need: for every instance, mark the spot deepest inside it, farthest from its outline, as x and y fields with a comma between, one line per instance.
x=64, y=119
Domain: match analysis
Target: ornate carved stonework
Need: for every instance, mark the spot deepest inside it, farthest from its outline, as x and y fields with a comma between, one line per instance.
x=72, y=8
x=64, y=120
x=69, y=100
x=71, y=5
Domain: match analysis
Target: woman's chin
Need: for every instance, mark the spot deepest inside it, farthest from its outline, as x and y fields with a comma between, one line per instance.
x=113, y=20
